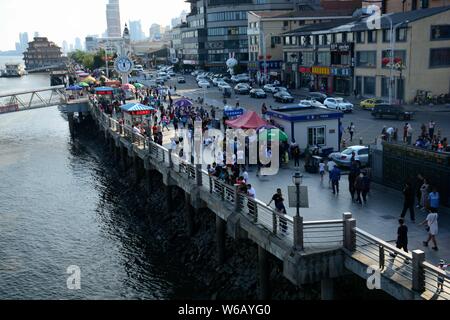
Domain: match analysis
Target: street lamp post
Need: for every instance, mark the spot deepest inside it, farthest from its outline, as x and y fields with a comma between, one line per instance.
x=263, y=43
x=298, y=220
x=393, y=38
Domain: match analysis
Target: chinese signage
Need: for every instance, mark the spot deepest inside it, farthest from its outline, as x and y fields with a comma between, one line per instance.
x=321, y=70
x=344, y=72
x=271, y=64
x=342, y=47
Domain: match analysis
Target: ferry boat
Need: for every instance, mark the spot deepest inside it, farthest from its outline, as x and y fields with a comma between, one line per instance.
x=13, y=70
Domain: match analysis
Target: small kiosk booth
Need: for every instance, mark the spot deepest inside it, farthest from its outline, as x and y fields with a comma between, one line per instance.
x=136, y=112
x=310, y=127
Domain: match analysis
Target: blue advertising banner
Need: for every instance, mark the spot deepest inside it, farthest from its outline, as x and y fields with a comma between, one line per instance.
x=271, y=64
x=234, y=112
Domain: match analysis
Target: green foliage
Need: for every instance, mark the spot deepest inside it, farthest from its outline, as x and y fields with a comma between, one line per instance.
x=88, y=59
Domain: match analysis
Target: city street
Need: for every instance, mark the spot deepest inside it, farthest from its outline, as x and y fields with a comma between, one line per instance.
x=367, y=127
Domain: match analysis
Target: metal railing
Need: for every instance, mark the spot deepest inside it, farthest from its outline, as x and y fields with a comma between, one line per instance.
x=328, y=234
x=323, y=234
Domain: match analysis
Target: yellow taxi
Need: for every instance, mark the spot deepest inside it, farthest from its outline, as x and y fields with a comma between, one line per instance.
x=369, y=104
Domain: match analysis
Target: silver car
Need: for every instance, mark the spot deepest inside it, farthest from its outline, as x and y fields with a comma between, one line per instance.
x=343, y=159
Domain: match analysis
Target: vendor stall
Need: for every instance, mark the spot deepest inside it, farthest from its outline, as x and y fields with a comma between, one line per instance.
x=249, y=120
x=136, y=112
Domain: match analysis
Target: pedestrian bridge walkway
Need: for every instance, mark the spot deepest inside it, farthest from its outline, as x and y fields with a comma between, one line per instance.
x=32, y=99
x=310, y=250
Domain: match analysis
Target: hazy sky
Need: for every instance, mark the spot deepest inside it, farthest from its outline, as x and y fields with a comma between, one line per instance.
x=67, y=19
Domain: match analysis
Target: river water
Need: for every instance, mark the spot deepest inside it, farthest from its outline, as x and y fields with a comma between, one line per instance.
x=61, y=205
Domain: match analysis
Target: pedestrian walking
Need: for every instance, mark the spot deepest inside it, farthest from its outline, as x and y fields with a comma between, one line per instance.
x=419, y=183
x=409, y=133
x=279, y=205
x=296, y=156
x=362, y=186
x=353, y=174
x=351, y=130
x=432, y=227
x=321, y=170
x=433, y=199
x=424, y=193
x=402, y=238
x=440, y=281
x=405, y=132
x=330, y=166
x=335, y=176
x=408, y=202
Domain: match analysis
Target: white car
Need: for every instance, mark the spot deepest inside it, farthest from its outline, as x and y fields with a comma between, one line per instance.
x=204, y=83
x=270, y=88
x=200, y=77
x=312, y=103
x=305, y=104
x=216, y=81
x=338, y=104
x=223, y=85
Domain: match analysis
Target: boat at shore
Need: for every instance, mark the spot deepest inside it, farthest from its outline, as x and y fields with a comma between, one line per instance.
x=13, y=70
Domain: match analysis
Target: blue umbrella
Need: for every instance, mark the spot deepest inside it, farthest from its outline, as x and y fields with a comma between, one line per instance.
x=74, y=88
x=183, y=103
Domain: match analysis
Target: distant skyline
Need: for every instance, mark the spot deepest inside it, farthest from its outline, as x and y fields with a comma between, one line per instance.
x=62, y=20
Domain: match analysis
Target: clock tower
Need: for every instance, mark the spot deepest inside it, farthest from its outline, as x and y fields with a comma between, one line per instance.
x=123, y=64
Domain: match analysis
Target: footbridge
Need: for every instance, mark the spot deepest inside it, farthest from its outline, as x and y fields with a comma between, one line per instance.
x=38, y=98
x=311, y=251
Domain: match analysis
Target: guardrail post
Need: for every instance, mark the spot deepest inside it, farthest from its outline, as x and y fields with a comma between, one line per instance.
x=170, y=158
x=349, y=232
x=418, y=273
x=275, y=222
x=210, y=185
x=298, y=233
x=198, y=174
x=381, y=257
x=236, y=199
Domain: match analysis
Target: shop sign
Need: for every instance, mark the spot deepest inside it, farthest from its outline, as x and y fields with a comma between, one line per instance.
x=321, y=70
x=234, y=113
x=304, y=70
x=276, y=64
x=343, y=47
x=344, y=72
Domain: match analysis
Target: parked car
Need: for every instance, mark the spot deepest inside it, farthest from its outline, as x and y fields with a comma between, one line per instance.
x=160, y=80
x=338, y=104
x=242, y=88
x=216, y=81
x=283, y=96
x=223, y=85
x=343, y=158
x=319, y=96
x=369, y=104
x=201, y=77
x=181, y=80
x=386, y=110
x=171, y=73
x=204, y=83
x=258, y=93
x=270, y=88
x=306, y=104
x=315, y=103
x=282, y=89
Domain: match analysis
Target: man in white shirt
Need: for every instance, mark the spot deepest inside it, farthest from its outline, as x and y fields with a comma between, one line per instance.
x=245, y=176
x=136, y=130
x=251, y=192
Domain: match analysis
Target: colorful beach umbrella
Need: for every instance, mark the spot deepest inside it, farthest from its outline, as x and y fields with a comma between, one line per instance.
x=74, y=88
x=138, y=85
x=89, y=79
x=183, y=103
x=265, y=135
x=128, y=86
x=83, y=84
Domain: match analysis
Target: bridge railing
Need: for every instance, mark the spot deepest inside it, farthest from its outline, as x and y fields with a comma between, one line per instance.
x=410, y=270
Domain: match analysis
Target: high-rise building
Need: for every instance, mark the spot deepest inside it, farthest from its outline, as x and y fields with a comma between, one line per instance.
x=91, y=43
x=71, y=48
x=136, y=33
x=155, y=32
x=78, y=45
x=179, y=20
x=23, y=38
x=113, y=18
x=65, y=47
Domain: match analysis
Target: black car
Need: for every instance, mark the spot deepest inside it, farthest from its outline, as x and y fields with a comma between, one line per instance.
x=258, y=93
x=318, y=96
x=387, y=110
x=181, y=80
x=283, y=96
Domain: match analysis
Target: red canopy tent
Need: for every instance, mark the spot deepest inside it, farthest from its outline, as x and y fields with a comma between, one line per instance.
x=249, y=120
